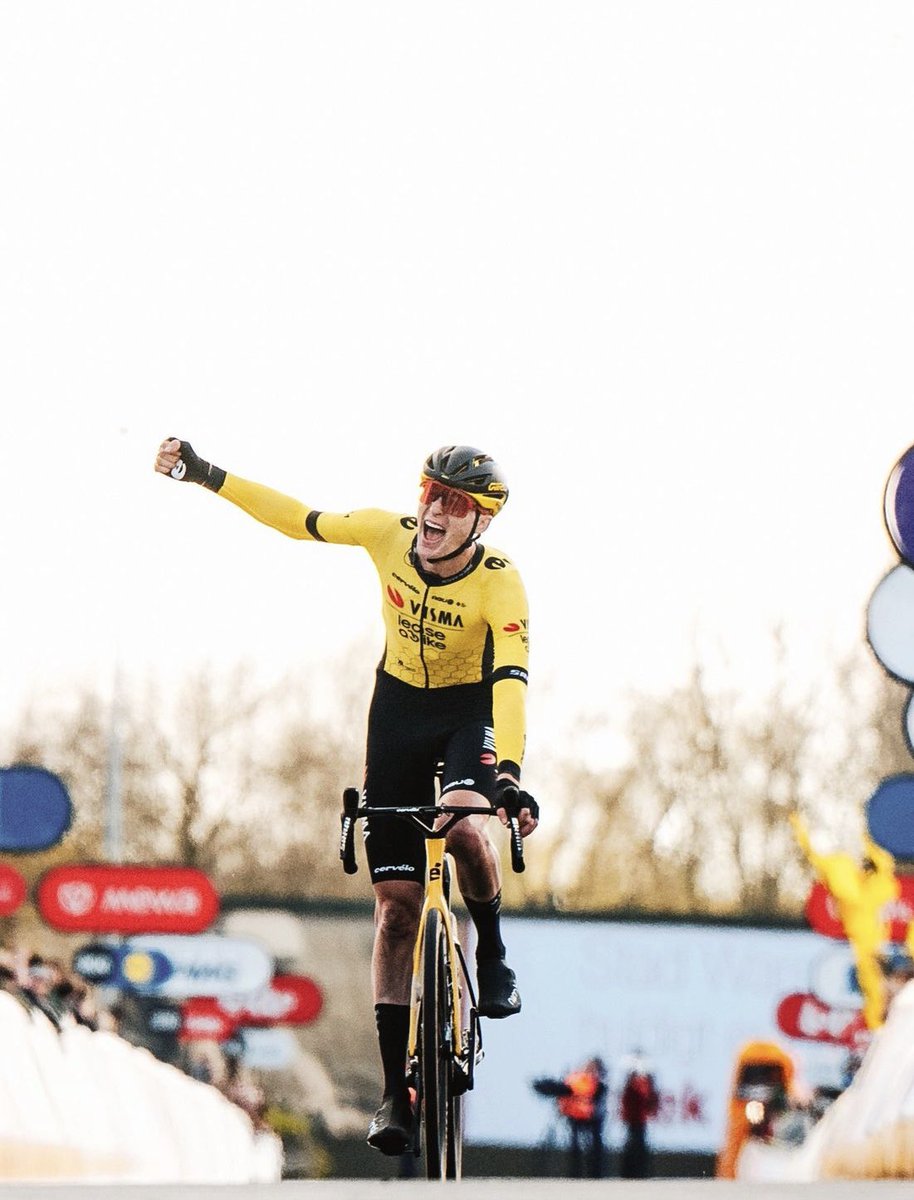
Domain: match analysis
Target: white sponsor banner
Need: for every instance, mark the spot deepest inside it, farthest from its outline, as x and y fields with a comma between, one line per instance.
x=207, y=964
x=269, y=1049
x=687, y=996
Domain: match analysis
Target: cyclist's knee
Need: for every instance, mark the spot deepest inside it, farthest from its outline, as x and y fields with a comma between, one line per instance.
x=397, y=908
x=468, y=839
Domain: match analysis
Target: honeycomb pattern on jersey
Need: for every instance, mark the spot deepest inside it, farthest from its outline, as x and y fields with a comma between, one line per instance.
x=450, y=666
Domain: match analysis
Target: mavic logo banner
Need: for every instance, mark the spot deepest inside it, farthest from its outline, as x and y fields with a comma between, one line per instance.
x=127, y=899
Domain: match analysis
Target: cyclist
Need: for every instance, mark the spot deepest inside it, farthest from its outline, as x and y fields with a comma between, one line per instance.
x=450, y=688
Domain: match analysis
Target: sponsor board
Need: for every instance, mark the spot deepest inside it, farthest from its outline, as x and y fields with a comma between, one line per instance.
x=286, y=1000
x=268, y=1049
x=206, y=964
x=890, y=623
x=804, y=1016
x=141, y=970
x=13, y=889
x=890, y=815
x=119, y=966
x=96, y=963
x=822, y=911
x=163, y=1019
x=127, y=899
x=687, y=996
x=898, y=506
x=203, y=1019
x=833, y=978
x=35, y=808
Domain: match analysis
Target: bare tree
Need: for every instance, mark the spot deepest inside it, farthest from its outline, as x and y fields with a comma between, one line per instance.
x=696, y=823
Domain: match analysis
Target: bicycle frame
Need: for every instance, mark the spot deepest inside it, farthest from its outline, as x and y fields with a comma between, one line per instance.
x=434, y=821
x=435, y=899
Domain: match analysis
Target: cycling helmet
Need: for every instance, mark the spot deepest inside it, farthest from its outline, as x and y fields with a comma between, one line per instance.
x=469, y=470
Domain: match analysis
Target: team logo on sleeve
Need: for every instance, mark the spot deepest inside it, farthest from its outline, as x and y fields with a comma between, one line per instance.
x=516, y=627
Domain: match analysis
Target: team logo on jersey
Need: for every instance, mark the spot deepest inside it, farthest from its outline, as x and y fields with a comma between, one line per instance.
x=408, y=522
x=516, y=627
x=436, y=616
x=395, y=597
x=496, y=564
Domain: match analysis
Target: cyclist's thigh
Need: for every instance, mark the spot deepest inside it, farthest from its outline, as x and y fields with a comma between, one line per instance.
x=398, y=772
x=469, y=765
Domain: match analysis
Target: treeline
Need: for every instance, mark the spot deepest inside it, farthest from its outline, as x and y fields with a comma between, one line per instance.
x=243, y=781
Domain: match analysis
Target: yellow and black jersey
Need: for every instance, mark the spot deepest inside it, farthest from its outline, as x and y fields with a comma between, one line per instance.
x=468, y=629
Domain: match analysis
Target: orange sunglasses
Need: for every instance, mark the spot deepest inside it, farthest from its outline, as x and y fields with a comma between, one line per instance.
x=454, y=503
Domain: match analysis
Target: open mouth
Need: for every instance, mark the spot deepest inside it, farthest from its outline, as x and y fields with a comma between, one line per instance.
x=432, y=534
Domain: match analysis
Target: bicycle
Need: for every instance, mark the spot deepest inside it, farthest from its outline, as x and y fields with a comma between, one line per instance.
x=445, y=1038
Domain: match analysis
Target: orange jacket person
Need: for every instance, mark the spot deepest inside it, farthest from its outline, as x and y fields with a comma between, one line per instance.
x=762, y=1069
x=584, y=1107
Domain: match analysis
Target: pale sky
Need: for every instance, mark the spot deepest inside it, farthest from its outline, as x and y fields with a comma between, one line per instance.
x=657, y=258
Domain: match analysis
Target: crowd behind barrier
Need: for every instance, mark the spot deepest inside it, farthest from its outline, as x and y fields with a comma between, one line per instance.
x=868, y=1132
x=78, y=1101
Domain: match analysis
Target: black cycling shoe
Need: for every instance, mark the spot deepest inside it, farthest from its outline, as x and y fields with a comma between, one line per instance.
x=498, y=994
x=391, y=1129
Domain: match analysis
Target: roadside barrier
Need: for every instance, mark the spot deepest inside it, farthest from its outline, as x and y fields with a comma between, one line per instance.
x=84, y=1105
x=868, y=1132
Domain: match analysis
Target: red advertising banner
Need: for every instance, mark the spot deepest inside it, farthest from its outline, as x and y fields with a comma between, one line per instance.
x=286, y=1000
x=203, y=1019
x=802, y=1015
x=822, y=914
x=127, y=899
x=13, y=889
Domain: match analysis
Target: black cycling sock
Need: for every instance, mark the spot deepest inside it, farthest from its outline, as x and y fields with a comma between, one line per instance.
x=486, y=916
x=393, y=1036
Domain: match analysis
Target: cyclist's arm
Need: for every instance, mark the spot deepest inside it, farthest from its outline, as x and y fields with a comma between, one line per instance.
x=508, y=621
x=297, y=520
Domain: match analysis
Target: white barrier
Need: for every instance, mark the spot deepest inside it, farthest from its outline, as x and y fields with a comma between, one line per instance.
x=868, y=1133
x=84, y=1105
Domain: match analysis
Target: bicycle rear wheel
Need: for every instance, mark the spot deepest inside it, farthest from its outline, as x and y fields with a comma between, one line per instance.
x=435, y=1049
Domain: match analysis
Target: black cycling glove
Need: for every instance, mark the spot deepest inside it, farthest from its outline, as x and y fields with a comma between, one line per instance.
x=192, y=468
x=509, y=797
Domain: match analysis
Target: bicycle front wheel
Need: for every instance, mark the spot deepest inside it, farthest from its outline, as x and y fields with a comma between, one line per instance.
x=454, y=1159
x=435, y=1047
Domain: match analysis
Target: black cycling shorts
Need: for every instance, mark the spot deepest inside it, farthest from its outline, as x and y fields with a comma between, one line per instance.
x=410, y=731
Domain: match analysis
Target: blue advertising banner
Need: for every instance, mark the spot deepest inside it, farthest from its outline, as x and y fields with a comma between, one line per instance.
x=35, y=808
x=890, y=815
x=122, y=967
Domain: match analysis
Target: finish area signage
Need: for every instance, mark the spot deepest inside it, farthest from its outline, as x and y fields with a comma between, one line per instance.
x=127, y=899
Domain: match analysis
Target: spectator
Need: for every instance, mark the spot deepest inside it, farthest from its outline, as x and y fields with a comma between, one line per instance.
x=862, y=891
x=242, y=1089
x=41, y=979
x=637, y=1105
x=583, y=1104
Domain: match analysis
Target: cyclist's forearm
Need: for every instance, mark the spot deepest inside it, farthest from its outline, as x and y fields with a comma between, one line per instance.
x=509, y=718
